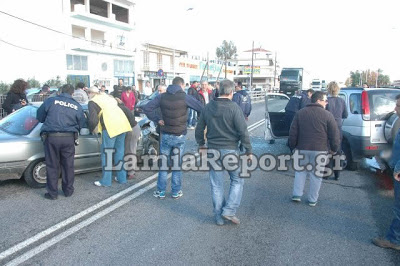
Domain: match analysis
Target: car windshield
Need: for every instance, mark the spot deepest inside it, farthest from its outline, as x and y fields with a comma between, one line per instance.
x=289, y=75
x=21, y=122
x=382, y=103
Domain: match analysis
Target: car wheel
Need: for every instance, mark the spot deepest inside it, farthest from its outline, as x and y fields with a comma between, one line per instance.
x=351, y=165
x=153, y=149
x=35, y=174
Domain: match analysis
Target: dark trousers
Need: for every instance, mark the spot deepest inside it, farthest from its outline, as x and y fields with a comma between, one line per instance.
x=59, y=152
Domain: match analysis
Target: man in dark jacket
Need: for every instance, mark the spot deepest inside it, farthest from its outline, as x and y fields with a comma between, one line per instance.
x=174, y=104
x=226, y=128
x=313, y=133
x=118, y=89
x=242, y=98
x=62, y=119
x=192, y=117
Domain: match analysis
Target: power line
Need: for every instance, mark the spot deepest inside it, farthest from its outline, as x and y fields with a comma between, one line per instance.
x=50, y=29
x=28, y=49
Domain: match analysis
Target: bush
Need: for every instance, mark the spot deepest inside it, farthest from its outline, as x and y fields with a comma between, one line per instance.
x=33, y=83
x=4, y=87
x=55, y=82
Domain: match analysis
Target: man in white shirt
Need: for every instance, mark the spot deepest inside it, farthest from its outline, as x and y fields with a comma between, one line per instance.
x=147, y=90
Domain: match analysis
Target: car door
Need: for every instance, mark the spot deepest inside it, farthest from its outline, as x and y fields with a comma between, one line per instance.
x=87, y=153
x=275, y=124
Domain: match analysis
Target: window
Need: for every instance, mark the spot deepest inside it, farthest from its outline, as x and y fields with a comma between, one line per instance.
x=355, y=103
x=123, y=67
x=77, y=62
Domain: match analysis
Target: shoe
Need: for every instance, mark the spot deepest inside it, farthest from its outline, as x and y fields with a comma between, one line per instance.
x=97, y=183
x=219, y=220
x=48, y=196
x=384, y=243
x=68, y=195
x=232, y=218
x=159, y=194
x=312, y=204
x=130, y=177
x=296, y=198
x=177, y=195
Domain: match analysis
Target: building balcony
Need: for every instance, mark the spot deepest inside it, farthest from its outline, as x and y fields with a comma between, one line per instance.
x=80, y=12
x=100, y=46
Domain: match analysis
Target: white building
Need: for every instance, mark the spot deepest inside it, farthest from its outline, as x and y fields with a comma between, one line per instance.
x=157, y=64
x=81, y=40
x=264, y=71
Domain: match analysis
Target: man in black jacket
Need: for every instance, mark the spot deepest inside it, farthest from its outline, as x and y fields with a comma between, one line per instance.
x=174, y=104
x=313, y=133
x=62, y=119
x=226, y=128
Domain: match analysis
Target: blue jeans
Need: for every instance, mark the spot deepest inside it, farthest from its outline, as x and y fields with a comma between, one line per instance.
x=168, y=143
x=394, y=231
x=118, y=143
x=192, y=118
x=228, y=207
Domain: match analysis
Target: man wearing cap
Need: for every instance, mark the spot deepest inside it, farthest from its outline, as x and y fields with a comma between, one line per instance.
x=62, y=119
x=112, y=124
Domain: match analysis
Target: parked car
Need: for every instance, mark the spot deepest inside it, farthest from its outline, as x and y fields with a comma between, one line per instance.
x=22, y=153
x=368, y=129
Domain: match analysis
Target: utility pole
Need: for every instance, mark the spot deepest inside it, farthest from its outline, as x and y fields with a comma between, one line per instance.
x=275, y=70
x=252, y=66
x=207, y=66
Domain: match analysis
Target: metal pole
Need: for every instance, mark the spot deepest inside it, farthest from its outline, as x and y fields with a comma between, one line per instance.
x=275, y=70
x=252, y=66
x=203, y=72
x=219, y=72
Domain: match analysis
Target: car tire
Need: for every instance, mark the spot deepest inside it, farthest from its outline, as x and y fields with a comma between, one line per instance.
x=35, y=174
x=153, y=149
x=351, y=165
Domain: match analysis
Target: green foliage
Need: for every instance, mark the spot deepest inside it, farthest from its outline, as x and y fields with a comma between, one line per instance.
x=226, y=51
x=4, y=87
x=57, y=82
x=358, y=78
x=33, y=83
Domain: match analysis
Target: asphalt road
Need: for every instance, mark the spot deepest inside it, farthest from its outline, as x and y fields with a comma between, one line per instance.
x=137, y=229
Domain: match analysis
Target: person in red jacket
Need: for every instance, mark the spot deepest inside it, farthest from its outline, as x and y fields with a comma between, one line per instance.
x=128, y=98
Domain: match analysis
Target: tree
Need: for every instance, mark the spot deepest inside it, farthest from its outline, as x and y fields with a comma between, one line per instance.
x=226, y=51
x=4, y=87
x=55, y=82
x=33, y=83
x=358, y=78
x=355, y=78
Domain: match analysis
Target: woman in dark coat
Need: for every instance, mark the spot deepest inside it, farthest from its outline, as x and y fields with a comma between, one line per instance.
x=337, y=107
x=16, y=97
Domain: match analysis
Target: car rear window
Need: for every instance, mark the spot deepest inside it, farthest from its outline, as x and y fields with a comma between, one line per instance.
x=21, y=122
x=381, y=102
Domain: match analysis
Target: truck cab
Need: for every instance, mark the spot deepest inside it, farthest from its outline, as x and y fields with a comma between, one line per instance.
x=290, y=81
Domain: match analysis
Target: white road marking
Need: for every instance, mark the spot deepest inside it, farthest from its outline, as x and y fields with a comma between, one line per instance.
x=33, y=252
x=72, y=219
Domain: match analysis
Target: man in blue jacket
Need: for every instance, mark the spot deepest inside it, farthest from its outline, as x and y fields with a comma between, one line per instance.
x=392, y=239
x=242, y=98
x=62, y=119
x=174, y=104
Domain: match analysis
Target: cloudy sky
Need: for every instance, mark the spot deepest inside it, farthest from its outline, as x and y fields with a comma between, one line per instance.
x=328, y=38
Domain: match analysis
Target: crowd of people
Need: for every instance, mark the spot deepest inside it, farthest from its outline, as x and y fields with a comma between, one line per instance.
x=219, y=115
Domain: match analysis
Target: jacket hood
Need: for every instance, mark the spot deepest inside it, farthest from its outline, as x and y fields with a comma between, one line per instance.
x=173, y=89
x=219, y=106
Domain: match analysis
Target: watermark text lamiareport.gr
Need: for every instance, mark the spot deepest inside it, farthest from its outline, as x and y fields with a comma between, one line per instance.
x=230, y=162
